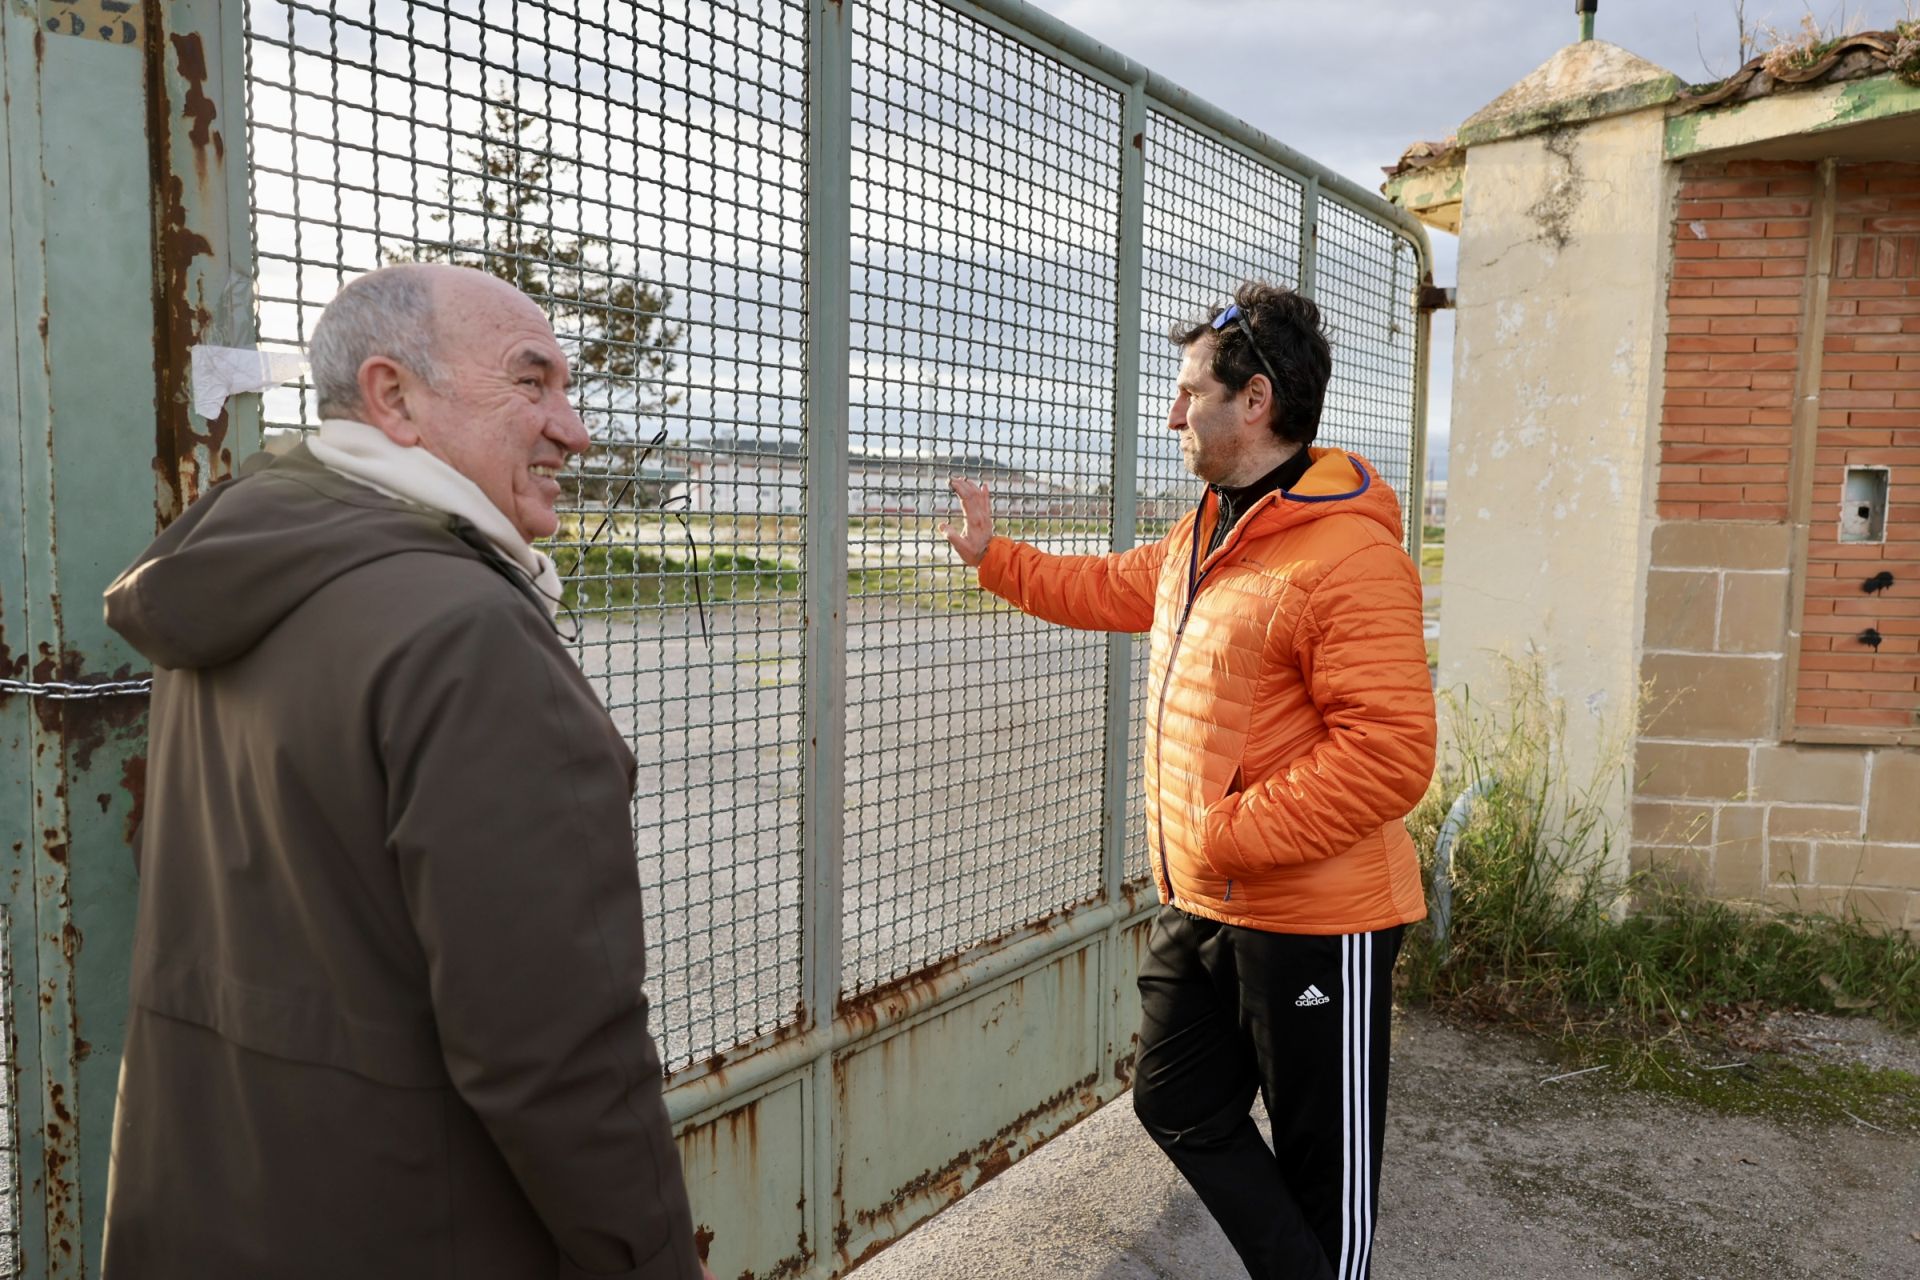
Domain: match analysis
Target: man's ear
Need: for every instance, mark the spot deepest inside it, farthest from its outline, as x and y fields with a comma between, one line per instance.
x=385, y=390
x=1257, y=398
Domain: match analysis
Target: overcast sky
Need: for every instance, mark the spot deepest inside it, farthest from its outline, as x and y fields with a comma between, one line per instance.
x=1352, y=84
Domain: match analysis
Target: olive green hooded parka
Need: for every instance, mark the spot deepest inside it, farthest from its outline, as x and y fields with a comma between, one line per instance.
x=386, y=1015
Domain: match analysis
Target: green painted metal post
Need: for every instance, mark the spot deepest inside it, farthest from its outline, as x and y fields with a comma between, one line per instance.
x=79, y=448
x=125, y=204
x=1128, y=423
x=23, y=400
x=204, y=268
x=829, y=273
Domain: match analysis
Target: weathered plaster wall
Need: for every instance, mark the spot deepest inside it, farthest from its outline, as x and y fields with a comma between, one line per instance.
x=1563, y=260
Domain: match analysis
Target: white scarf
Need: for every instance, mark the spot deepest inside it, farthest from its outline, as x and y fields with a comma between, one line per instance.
x=364, y=453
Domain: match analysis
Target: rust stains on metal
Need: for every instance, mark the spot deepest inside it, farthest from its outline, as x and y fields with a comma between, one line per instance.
x=10, y=665
x=182, y=320
x=788, y=1268
x=742, y=1141
x=795, y=1024
x=86, y=724
x=47, y=671
x=185, y=462
x=890, y=1001
x=988, y=1159
x=60, y=1190
x=83, y=725
x=133, y=780
x=190, y=58
x=703, y=1240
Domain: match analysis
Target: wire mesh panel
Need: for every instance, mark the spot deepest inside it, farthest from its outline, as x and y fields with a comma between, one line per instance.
x=639, y=170
x=985, y=224
x=1365, y=286
x=1214, y=217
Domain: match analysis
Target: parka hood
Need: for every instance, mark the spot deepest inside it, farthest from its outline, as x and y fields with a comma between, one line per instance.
x=1342, y=481
x=253, y=550
x=1337, y=482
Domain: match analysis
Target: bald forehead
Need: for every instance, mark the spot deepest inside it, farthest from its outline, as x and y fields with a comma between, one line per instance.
x=462, y=292
x=482, y=315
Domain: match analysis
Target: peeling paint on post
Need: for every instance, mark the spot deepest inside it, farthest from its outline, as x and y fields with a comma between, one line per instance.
x=203, y=263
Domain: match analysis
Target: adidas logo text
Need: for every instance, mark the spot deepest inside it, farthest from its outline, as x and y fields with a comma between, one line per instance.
x=1311, y=996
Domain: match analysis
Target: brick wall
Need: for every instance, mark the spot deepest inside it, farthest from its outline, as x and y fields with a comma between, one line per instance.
x=1869, y=416
x=1733, y=324
x=1720, y=798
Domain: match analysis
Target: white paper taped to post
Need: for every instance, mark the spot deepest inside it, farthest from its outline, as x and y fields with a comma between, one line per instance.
x=219, y=372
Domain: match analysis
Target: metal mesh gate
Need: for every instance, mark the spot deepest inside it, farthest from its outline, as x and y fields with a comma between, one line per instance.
x=811, y=258
x=642, y=170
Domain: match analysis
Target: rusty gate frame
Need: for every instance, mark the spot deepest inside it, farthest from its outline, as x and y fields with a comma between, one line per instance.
x=801, y=1160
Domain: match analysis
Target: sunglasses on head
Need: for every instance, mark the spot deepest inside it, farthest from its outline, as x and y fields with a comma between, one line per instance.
x=1233, y=315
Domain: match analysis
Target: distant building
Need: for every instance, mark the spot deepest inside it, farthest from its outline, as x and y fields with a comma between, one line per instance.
x=752, y=476
x=1434, y=503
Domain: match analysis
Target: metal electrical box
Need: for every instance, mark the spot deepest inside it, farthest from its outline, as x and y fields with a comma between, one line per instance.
x=1863, y=505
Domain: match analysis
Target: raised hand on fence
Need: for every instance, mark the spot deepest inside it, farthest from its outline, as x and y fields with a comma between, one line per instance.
x=976, y=528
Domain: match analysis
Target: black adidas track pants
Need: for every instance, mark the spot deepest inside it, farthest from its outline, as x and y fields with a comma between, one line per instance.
x=1303, y=1019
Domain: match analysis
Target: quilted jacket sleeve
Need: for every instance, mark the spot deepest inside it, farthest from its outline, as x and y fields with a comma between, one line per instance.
x=1363, y=656
x=1094, y=593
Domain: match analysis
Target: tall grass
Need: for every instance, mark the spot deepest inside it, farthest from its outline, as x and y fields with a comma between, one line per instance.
x=615, y=578
x=618, y=579
x=1548, y=929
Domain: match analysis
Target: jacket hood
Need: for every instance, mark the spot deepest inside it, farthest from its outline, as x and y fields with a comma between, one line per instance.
x=253, y=550
x=1337, y=482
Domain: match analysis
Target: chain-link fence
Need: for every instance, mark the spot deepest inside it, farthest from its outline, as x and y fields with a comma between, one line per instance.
x=642, y=169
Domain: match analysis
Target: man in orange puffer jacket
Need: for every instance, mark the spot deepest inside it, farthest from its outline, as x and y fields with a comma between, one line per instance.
x=1290, y=729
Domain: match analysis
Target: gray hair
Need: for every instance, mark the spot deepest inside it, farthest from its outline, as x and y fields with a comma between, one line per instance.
x=389, y=313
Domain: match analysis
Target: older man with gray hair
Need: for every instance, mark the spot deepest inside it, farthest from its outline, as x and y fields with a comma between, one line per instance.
x=386, y=1016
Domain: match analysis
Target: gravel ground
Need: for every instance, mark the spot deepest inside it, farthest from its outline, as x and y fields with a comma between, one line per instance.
x=1491, y=1172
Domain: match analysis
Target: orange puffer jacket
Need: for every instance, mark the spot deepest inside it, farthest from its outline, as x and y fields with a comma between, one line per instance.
x=1290, y=718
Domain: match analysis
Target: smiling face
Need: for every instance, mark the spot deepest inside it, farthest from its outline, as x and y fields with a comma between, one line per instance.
x=1224, y=436
x=498, y=414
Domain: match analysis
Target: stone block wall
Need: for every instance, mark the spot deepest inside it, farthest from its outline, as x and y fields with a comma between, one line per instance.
x=1779, y=756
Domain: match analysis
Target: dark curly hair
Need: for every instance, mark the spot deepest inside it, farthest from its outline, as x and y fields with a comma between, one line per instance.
x=1287, y=327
